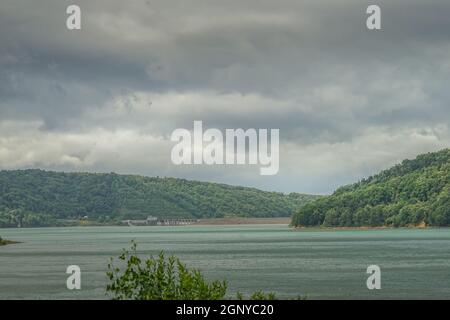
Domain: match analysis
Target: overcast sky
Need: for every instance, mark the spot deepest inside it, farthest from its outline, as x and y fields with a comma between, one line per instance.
x=348, y=101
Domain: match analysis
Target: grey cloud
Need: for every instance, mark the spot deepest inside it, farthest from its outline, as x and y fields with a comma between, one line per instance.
x=144, y=68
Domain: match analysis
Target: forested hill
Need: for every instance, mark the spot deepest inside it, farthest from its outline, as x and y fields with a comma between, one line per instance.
x=36, y=198
x=415, y=192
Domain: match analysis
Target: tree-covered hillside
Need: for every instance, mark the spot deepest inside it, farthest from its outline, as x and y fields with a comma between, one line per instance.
x=38, y=198
x=415, y=192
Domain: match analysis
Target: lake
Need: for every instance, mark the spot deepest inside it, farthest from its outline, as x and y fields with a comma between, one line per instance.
x=318, y=263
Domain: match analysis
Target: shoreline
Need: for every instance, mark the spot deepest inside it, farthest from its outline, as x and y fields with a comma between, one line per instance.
x=7, y=242
x=241, y=221
x=365, y=228
x=248, y=221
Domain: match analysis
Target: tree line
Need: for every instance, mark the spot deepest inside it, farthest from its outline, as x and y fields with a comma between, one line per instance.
x=30, y=198
x=415, y=192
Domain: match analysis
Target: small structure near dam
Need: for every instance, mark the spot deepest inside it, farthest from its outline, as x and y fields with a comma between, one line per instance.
x=155, y=221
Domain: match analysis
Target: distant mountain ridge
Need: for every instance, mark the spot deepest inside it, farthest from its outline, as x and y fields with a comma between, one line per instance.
x=36, y=198
x=415, y=192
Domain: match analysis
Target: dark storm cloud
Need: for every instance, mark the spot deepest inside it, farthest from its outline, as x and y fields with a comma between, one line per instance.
x=139, y=69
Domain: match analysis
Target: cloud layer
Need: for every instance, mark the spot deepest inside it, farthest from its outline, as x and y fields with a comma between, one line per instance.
x=348, y=101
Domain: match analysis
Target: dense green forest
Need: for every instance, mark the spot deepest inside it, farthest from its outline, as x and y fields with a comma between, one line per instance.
x=415, y=192
x=43, y=198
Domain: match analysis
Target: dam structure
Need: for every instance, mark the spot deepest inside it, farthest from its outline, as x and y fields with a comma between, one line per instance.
x=155, y=221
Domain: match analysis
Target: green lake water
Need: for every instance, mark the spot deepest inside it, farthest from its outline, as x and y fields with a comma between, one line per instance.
x=414, y=263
